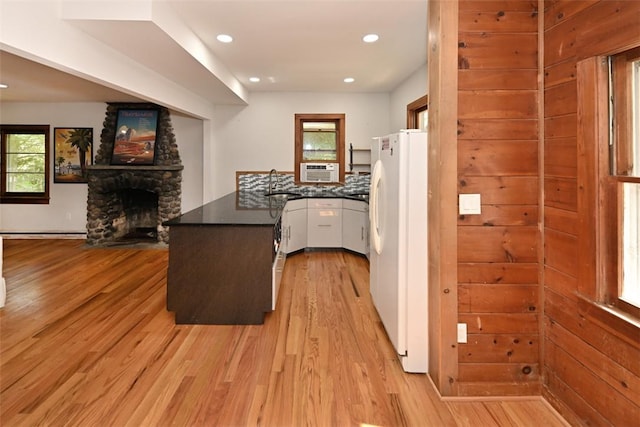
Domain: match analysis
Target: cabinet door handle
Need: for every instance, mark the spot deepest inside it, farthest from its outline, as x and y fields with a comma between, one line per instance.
x=324, y=225
x=361, y=233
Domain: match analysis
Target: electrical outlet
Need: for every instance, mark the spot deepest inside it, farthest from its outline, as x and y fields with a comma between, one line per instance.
x=462, y=333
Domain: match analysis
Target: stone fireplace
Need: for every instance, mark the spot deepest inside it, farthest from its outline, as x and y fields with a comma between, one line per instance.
x=129, y=203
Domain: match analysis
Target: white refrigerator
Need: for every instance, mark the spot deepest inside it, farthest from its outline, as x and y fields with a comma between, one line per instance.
x=398, y=259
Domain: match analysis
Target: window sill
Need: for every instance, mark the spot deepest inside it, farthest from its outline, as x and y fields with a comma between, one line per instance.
x=21, y=200
x=621, y=324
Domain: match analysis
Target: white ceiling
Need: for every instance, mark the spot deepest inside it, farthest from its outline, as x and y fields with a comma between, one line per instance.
x=292, y=45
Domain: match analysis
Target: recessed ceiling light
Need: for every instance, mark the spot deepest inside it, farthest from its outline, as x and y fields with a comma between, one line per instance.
x=224, y=38
x=370, y=38
x=254, y=79
x=349, y=80
x=3, y=86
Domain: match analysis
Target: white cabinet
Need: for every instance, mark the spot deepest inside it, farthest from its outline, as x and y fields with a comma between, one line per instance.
x=276, y=275
x=294, y=225
x=324, y=223
x=355, y=230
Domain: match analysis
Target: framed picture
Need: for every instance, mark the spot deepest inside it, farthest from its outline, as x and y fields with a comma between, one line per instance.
x=72, y=152
x=135, y=140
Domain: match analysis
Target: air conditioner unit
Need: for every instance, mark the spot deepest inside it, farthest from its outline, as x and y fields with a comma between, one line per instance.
x=319, y=172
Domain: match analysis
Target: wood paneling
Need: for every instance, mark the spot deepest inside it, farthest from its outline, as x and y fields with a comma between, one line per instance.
x=560, y=73
x=505, y=298
x=608, y=27
x=560, y=282
x=499, y=348
x=492, y=50
x=500, y=323
x=560, y=193
x=561, y=157
x=520, y=273
x=560, y=100
x=498, y=79
x=493, y=215
x=500, y=104
x=498, y=6
x=498, y=158
x=561, y=251
x=591, y=370
x=497, y=244
x=502, y=190
x=559, y=43
x=619, y=410
x=561, y=220
x=499, y=372
x=556, y=11
x=500, y=20
x=561, y=126
x=487, y=129
x=623, y=381
x=561, y=310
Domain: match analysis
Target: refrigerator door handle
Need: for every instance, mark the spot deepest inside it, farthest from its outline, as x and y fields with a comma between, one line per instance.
x=374, y=201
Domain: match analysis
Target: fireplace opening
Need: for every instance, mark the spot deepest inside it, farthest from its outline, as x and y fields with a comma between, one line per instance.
x=138, y=218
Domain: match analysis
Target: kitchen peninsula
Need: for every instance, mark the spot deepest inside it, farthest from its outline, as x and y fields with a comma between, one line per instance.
x=225, y=257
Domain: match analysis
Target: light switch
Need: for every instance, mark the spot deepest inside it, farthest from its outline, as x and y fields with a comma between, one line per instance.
x=469, y=204
x=462, y=333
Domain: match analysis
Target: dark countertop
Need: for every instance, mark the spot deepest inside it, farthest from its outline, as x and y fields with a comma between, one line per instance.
x=251, y=208
x=229, y=210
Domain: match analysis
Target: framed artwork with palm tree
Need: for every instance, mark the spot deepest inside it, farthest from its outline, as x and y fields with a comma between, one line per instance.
x=72, y=153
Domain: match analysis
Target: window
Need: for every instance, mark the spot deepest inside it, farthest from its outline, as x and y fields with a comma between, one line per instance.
x=417, y=114
x=319, y=138
x=624, y=163
x=319, y=141
x=25, y=164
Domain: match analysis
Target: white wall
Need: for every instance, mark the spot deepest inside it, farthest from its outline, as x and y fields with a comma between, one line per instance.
x=67, y=209
x=256, y=137
x=260, y=136
x=405, y=93
x=34, y=30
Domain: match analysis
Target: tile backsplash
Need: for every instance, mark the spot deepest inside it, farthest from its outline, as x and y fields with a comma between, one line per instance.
x=259, y=182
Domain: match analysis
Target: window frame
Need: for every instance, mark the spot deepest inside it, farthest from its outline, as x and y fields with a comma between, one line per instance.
x=414, y=109
x=599, y=207
x=620, y=149
x=339, y=120
x=24, y=198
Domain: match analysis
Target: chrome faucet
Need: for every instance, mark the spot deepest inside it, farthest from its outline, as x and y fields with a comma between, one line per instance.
x=273, y=187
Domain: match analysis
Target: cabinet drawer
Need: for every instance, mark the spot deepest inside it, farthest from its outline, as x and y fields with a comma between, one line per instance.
x=324, y=228
x=324, y=203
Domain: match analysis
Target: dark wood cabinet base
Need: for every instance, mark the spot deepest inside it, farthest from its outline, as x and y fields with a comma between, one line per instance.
x=219, y=274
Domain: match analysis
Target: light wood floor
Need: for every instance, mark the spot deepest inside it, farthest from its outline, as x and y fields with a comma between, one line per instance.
x=86, y=341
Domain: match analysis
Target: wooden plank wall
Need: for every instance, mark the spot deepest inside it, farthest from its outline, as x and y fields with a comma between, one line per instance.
x=498, y=140
x=591, y=375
